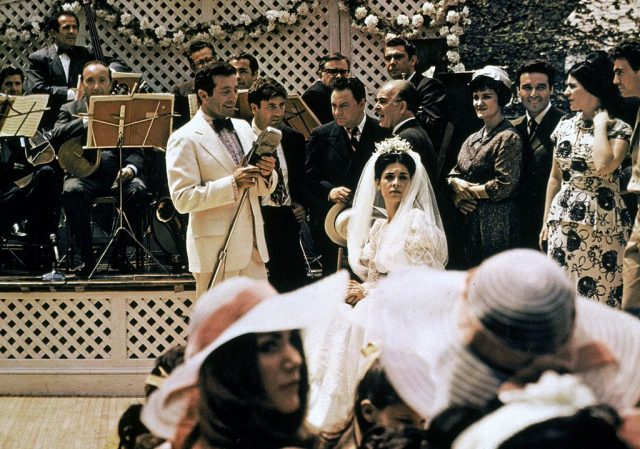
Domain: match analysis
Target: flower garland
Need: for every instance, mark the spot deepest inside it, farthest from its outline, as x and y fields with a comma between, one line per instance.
x=437, y=18
x=143, y=33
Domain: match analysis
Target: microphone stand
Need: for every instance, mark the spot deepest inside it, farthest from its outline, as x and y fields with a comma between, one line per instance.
x=54, y=275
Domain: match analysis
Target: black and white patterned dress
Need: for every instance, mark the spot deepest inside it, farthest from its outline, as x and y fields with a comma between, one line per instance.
x=588, y=222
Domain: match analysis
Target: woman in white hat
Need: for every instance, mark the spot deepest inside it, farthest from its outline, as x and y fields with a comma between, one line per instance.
x=485, y=179
x=244, y=382
x=394, y=220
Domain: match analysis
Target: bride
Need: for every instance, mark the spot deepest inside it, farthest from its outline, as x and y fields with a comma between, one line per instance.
x=395, y=220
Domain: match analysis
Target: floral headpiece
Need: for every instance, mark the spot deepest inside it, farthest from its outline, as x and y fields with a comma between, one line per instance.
x=393, y=144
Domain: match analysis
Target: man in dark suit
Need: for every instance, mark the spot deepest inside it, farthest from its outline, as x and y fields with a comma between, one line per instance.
x=200, y=54
x=318, y=96
x=78, y=192
x=396, y=106
x=336, y=155
x=285, y=208
x=247, y=69
x=55, y=70
x=535, y=86
x=401, y=59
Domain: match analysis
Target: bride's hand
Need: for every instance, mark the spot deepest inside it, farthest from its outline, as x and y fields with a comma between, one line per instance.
x=355, y=293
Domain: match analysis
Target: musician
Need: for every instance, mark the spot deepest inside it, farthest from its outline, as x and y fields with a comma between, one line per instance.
x=285, y=208
x=78, y=192
x=11, y=80
x=247, y=69
x=207, y=179
x=200, y=55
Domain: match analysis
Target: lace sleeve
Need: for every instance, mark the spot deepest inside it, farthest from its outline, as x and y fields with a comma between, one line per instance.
x=424, y=244
x=370, y=250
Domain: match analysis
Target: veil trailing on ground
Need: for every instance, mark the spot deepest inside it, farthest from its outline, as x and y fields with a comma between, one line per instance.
x=418, y=211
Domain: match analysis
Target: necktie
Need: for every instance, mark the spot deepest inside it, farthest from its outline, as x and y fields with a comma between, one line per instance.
x=354, y=132
x=533, y=125
x=279, y=195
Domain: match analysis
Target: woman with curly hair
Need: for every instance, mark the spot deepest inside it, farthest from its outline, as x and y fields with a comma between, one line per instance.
x=587, y=223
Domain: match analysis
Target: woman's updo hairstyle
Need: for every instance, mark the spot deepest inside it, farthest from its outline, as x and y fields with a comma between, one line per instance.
x=595, y=75
x=386, y=159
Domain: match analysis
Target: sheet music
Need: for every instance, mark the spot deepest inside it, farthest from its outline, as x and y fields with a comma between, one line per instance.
x=24, y=115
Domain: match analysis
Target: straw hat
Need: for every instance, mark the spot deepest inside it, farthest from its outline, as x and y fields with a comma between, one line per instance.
x=454, y=338
x=337, y=222
x=236, y=307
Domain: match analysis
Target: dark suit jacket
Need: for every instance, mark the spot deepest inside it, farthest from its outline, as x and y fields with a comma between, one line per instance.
x=293, y=146
x=536, y=167
x=318, y=98
x=181, y=102
x=433, y=110
x=419, y=139
x=46, y=76
x=67, y=127
x=331, y=161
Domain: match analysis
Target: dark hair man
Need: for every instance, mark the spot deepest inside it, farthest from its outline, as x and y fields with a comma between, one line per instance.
x=247, y=69
x=285, y=208
x=11, y=80
x=207, y=176
x=336, y=155
x=535, y=87
x=400, y=60
x=626, y=75
x=318, y=95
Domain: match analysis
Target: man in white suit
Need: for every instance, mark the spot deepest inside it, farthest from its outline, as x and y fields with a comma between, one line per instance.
x=207, y=175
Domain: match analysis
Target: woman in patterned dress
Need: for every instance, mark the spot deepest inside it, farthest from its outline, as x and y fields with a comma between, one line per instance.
x=587, y=224
x=395, y=220
x=485, y=179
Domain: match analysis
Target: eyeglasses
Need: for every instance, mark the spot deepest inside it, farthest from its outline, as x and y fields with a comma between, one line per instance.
x=202, y=62
x=335, y=72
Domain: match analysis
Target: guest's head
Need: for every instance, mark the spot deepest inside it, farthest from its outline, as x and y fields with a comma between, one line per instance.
x=626, y=68
x=267, y=100
x=396, y=102
x=11, y=80
x=348, y=101
x=247, y=69
x=217, y=90
x=378, y=405
x=590, y=85
x=164, y=365
x=535, y=85
x=96, y=79
x=491, y=90
x=332, y=67
x=400, y=58
x=63, y=27
x=201, y=54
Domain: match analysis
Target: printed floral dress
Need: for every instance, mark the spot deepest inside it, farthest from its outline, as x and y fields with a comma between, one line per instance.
x=588, y=222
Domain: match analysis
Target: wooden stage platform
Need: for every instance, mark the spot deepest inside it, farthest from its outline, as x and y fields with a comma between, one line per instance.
x=88, y=337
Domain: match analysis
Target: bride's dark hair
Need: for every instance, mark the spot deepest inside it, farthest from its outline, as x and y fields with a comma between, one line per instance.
x=233, y=410
x=386, y=159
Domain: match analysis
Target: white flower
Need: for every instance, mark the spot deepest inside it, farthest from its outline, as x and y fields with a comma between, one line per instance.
x=237, y=35
x=371, y=21
x=271, y=15
x=111, y=2
x=166, y=42
x=284, y=17
x=216, y=31
x=245, y=19
x=25, y=35
x=135, y=41
x=111, y=18
x=402, y=20
x=148, y=42
x=440, y=17
x=161, y=32
x=453, y=56
x=293, y=18
x=35, y=24
x=126, y=18
x=452, y=40
x=393, y=145
x=443, y=32
x=303, y=9
x=255, y=34
x=146, y=24
x=361, y=12
x=453, y=16
x=429, y=9
x=73, y=7
x=417, y=20
x=465, y=12
x=467, y=21
x=459, y=67
x=271, y=26
x=101, y=13
x=178, y=37
x=457, y=30
x=125, y=32
x=11, y=34
x=390, y=36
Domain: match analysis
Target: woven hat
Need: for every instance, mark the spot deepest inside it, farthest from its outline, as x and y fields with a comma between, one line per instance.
x=237, y=307
x=337, y=222
x=493, y=72
x=454, y=338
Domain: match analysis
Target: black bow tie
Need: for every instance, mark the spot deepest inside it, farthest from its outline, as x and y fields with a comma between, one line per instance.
x=222, y=123
x=69, y=51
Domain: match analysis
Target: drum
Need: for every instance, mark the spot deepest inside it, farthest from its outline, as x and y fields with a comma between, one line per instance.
x=169, y=230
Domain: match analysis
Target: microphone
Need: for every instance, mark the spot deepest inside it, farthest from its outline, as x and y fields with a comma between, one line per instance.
x=265, y=144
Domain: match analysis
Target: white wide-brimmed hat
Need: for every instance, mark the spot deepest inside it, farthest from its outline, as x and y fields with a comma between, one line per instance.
x=236, y=307
x=336, y=223
x=438, y=326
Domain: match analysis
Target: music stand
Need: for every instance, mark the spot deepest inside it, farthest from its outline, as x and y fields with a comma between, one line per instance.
x=298, y=116
x=21, y=115
x=133, y=121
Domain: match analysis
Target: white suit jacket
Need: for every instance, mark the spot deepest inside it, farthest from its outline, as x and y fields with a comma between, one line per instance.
x=200, y=174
